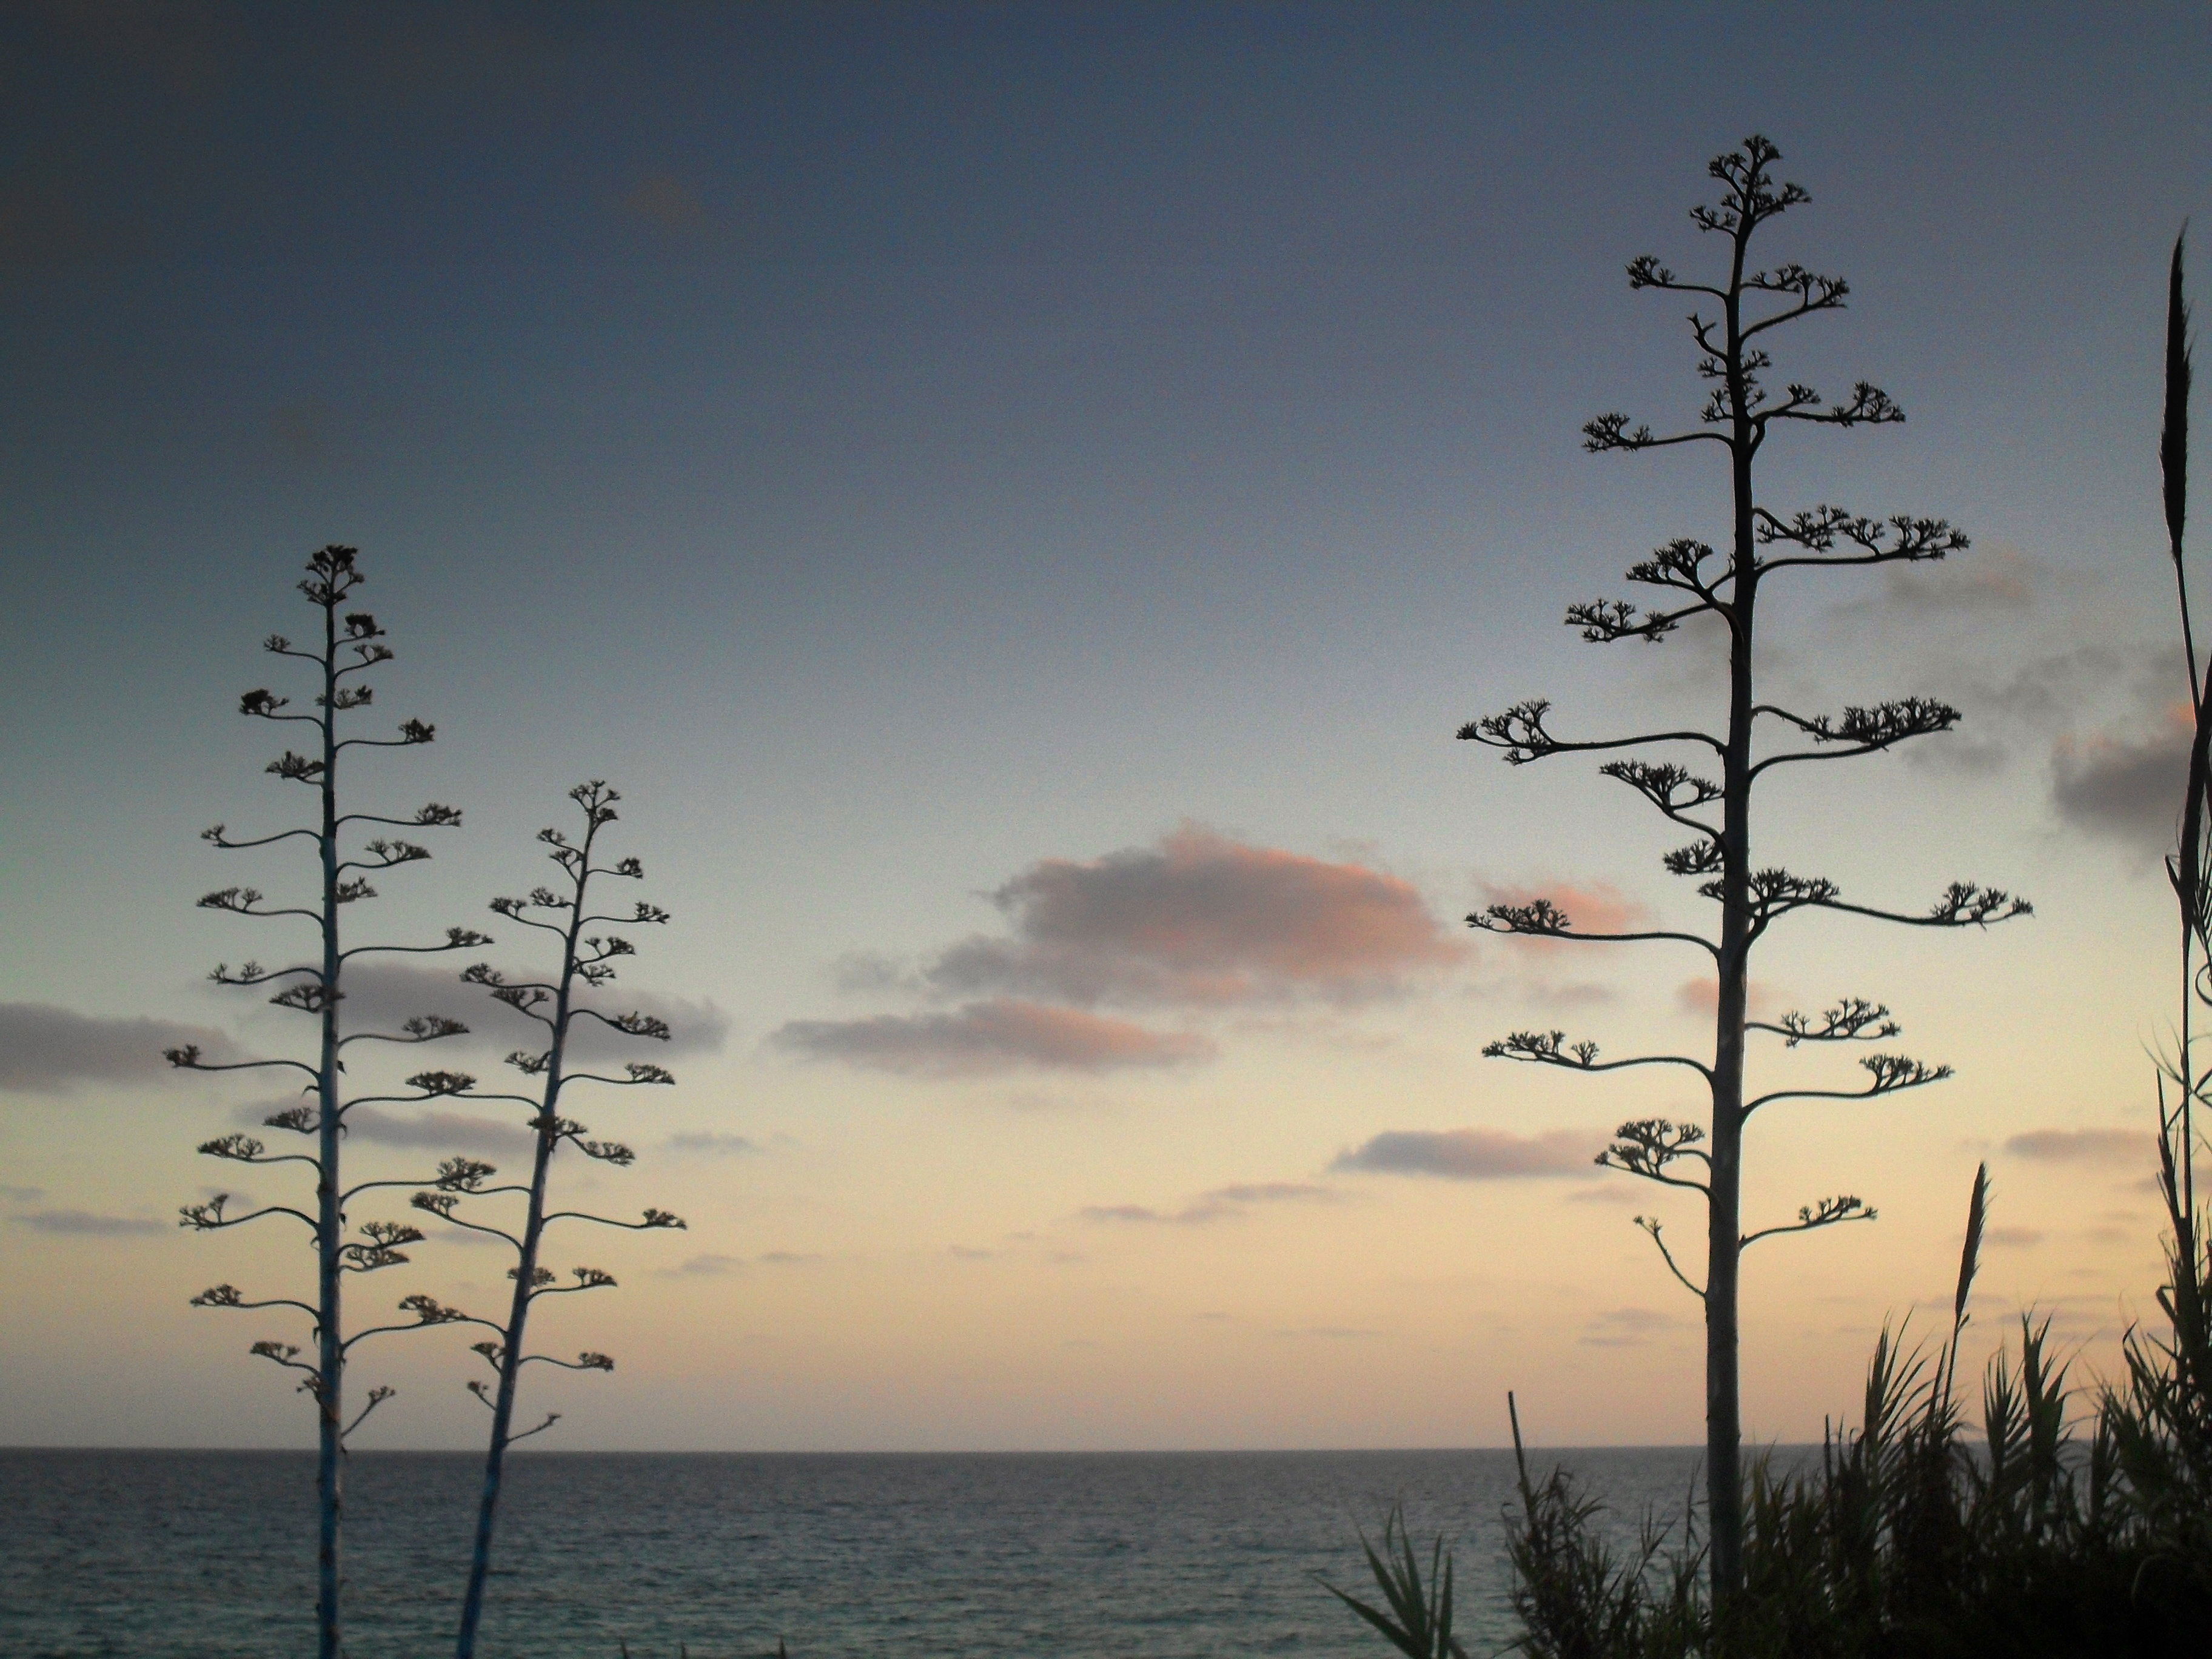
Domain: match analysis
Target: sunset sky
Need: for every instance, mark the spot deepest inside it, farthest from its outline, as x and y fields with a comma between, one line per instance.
x=1018, y=498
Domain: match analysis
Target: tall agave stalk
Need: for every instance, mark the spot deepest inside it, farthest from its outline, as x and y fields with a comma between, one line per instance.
x=586, y=963
x=351, y=644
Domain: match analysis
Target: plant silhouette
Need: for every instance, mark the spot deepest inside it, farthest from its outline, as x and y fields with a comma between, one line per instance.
x=1731, y=324
x=352, y=644
x=586, y=963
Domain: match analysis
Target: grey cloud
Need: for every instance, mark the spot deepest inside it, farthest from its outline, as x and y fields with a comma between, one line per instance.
x=22, y=1194
x=996, y=1036
x=1625, y=1328
x=1608, y=1192
x=2123, y=1146
x=705, y=1143
x=870, y=971
x=1273, y=1191
x=1959, y=753
x=704, y=1267
x=969, y=1253
x=2052, y=689
x=789, y=1258
x=84, y=1224
x=438, y=1132
x=44, y=1050
x=1221, y=1204
x=1200, y=919
x=1473, y=1154
x=2000, y=579
x=2126, y=788
x=2011, y=1238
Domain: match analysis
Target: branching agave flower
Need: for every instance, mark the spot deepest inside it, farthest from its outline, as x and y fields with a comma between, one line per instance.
x=457, y=1197
x=352, y=644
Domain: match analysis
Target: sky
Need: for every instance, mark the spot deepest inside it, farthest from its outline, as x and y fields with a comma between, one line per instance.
x=1018, y=498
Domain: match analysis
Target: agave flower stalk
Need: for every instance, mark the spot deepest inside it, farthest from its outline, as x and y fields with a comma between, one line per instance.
x=1702, y=779
x=352, y=643
x=586, y=963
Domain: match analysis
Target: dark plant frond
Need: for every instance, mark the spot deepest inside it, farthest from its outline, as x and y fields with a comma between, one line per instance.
x=1649, y=1147
x=1703, y=857
x=428, y=1311
x=1656, y=1230
x=1827, y=1212
x=437, y=1085
x=1603, y=621
x=1416, y=1614
x=464, y=1174
x=1854, y=1019
x=1539, y=918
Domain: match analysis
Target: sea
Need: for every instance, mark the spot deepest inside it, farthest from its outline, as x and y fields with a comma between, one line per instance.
x=210, y=1554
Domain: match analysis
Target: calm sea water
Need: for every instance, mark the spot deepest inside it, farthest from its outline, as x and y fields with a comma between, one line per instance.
x=209, y=1555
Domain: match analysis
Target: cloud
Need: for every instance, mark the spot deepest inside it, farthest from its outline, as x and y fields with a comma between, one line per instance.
x=2011, y=1238
x=1626, y=1327
x=1610, y=1191
x=704, y=1143
x=1200, y=920
x=1997, y=580
x=437, y=1132
x=1221, y=1204
x=991, y=1036
x=22, y=1194
x=2127, y=788
x=44, y=1050
x=704, y=1267
x=2133, y=1147
x=969, y=1253
x=789, y=1258
x=1473, y=1154
x=84, y=1224
x=1274, y=1191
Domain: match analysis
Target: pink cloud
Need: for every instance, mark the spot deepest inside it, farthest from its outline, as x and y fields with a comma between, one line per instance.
x=1473, y=1154
x=1223, y=1203
x=995, y=1035
x=1201, y=919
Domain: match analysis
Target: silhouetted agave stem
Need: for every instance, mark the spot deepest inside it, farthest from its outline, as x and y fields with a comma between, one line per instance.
x=586, y=963
x=1730, y=326
x=348, y=649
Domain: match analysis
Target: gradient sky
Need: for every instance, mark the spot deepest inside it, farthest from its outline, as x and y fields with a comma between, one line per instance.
x=1018, y=498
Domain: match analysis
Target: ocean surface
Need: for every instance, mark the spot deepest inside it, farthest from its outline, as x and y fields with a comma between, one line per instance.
x=209, y=1555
